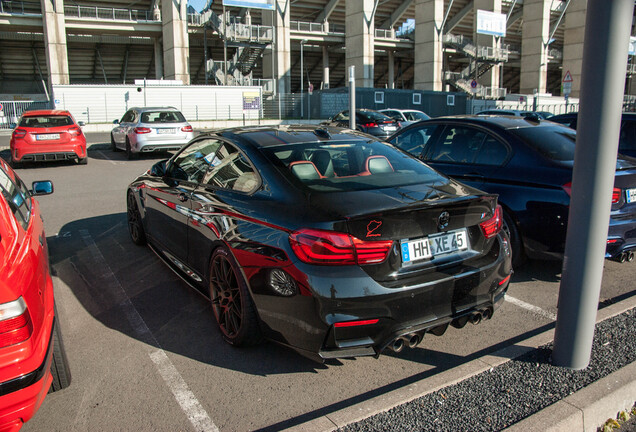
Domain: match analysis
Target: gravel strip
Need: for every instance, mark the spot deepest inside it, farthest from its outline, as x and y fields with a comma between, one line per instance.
x=502, y=396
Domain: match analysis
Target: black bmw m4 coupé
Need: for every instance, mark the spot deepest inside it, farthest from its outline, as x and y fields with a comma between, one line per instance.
x=325, y=240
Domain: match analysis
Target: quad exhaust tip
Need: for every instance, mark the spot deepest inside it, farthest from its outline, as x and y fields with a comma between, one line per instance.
x=627, y=256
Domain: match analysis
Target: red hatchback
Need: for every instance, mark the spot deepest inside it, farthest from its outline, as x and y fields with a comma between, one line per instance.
x=32, y=357
x=47, y=135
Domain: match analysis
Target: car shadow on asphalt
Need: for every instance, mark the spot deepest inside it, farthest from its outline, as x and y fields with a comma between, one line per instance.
x=107, y=273
x=538, y=270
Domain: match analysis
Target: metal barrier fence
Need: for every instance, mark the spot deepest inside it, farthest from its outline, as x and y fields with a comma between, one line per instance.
x=20, y=8
x=10, y=111
x=105, y=13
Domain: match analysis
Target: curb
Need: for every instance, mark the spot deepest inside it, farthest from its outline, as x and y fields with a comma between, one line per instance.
x=584, y=410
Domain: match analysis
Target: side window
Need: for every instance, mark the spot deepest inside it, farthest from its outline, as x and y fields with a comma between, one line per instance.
x=414, y=140
x=18, y=198
x=627, y=139
x=194, y=161
x=128, y=117
x=492, y=152
x=342, y=116
x=229, y=169
x=458, y=145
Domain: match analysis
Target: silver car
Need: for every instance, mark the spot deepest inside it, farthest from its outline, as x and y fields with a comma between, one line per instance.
x=143, y=130
x=406, y=117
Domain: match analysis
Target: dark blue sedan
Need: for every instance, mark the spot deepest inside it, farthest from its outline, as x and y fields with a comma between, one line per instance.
x=528, y=163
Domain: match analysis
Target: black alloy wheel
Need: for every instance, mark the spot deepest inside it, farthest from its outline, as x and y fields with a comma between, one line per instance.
x=516, y=246
x=135, y=225
x=129, y=153
x=113, y=145
x=231, y=301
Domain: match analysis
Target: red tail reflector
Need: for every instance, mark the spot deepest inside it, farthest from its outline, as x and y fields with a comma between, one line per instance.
x=142, y=130
x=616, y=195
x=15, y=323
x=186, y=129
x=506, y=279
x=568, y=188
x=335, y=248
x=492, y=226
x=19, y=133
x=356, y=323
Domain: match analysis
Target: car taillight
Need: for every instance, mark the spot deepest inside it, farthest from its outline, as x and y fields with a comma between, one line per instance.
x=356, y=323
x=492, y=226
x=142, y=130
x=368, y=125
x=616, y=195
x=15, y=323
x=568, y=188
x=75, y=131
x=19, y=133
x=186, y=129
x=335, y=248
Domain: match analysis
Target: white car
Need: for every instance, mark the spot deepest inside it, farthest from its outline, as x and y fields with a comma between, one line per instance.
x=143, y=130
x=405, y=116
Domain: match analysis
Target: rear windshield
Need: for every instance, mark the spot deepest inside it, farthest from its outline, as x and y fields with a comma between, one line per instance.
x=162, y=117
x=339, y=166
x=415, y=115
x=553, y=142
x=46, y=121
x=375, y=116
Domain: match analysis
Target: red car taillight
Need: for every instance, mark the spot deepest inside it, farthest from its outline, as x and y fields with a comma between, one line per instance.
x=19, y=133
x=616, y=195
x=568, y=188
x=492, y=226
x=75, y=131
x=356, y=323
x=335, y=248
x=369, y=125
x=186, y=129
x=15, y=323
x=142, y=130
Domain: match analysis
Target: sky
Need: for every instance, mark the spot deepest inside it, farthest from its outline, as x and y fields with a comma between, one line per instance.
x=197, y=4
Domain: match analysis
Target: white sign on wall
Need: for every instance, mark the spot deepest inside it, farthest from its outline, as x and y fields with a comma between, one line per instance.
x=491, y=23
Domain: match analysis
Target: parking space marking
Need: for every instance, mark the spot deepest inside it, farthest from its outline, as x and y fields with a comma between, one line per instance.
x=532, y=308
x=106, y=157
x=188, y=402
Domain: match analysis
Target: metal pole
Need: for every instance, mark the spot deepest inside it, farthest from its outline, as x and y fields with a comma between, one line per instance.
x=607, y=32
x=352, y=97
x=205, y=52
x=224, y=47
x=302, y=72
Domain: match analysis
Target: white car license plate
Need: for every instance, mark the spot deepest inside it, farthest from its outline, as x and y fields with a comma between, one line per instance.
x=165, y=131
x=631, y=195
x=389, y=128
x=439, y=244
x=47, y=137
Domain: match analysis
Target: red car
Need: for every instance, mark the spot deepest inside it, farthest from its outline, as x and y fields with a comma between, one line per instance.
x=47, y=135
x=32, y=356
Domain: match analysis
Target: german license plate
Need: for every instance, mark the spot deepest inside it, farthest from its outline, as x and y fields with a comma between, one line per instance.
x=438, y=244
x=47, y=137
x=389, y=128
x=165, y=131
x=631, y=195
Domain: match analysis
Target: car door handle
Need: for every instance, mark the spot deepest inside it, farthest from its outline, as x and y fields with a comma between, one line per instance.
x=182, y=197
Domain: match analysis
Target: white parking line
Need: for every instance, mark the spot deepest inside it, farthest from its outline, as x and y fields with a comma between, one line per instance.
x=532, y=308
x=106, y=157
x=173, y=379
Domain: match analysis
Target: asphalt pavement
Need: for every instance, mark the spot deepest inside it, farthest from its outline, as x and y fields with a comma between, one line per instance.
x=146, y=354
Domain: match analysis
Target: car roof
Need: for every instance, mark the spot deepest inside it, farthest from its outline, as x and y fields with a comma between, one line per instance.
x=504, y=122
x=269, y=136
x=166, y=108
x=35, y=113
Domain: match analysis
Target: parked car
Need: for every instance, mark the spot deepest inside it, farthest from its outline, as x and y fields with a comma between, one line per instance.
x=514, y=112
x=529, y=165
x=372, y=250
x=150, y=129
x=368, y=121
x=405, y=117
x=47, y=135
x=32, y=356
x=627, y=138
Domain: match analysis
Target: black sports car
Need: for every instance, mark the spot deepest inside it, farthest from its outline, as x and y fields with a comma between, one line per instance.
x=326, y=240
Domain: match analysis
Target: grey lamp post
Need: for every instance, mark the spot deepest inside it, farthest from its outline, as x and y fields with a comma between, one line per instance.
x=302, y=72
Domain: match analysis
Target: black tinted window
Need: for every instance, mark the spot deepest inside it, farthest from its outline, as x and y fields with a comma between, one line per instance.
x=458, y=144
x=492, y=152
x=556, y=143
x=17, y=196
x=46, y=121
x=414, y=140
x=628, y=136
x=128, y=117
x=162, y=117
x=229, y=169
x=373, y=116
x=193, y=162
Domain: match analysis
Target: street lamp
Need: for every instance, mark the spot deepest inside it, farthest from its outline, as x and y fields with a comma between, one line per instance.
x=302, y=71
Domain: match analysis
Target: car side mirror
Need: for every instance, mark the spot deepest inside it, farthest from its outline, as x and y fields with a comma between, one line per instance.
x=159, y=169
x=81, y=124
x=44, y=187
x=115, y=121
